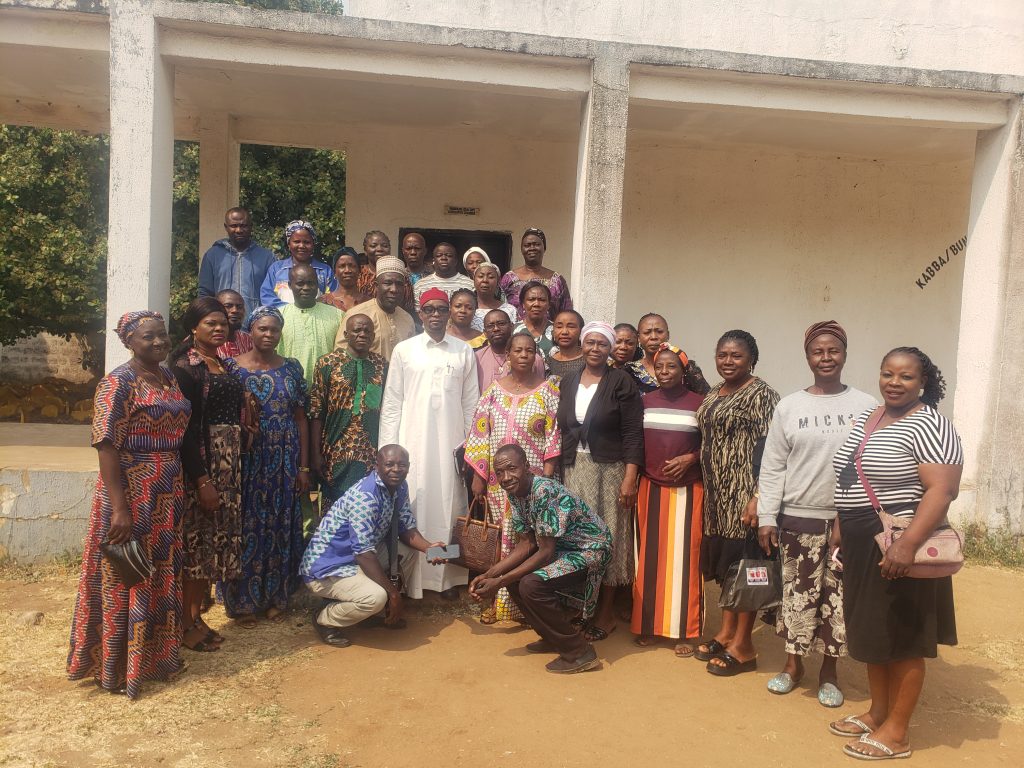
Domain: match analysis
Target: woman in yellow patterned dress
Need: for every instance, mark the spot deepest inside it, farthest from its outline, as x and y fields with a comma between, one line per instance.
x=518, y=408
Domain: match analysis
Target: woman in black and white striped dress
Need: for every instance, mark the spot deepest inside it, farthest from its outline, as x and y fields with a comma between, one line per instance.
x=912, y=460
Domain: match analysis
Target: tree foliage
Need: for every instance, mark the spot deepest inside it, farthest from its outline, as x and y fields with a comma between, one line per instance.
x=53, y=205
x=53, y=202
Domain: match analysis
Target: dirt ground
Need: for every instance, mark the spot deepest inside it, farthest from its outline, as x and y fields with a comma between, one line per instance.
x=448, y=691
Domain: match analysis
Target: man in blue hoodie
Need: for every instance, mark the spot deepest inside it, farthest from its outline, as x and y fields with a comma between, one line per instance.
x=236, y=263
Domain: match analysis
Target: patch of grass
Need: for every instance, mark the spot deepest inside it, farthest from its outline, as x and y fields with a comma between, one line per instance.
x=63, y=566
x=993, y=547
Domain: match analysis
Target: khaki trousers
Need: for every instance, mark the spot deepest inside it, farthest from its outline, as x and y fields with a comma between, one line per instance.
x=353, y=599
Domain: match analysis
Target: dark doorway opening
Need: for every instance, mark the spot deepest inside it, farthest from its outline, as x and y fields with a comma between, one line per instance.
x=498, y=245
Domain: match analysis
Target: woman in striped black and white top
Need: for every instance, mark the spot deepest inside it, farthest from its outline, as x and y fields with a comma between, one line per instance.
x=912, y=460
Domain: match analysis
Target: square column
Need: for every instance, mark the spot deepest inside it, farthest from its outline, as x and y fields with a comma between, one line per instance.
x=141, y=170
x=597, y=226
x=218, y=176
x=989, y=407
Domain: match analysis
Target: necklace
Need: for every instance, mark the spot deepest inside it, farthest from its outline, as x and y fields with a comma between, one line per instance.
x=154, y=380
x=213, y=363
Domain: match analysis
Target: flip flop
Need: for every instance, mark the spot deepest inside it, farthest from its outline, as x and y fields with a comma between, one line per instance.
x=277, y=618
x=733, y=666
x=830, y=696
x=645, y=641
x=246, y=622
x=887, y=752
x=834, y=728
x=714, y=648
x=782, y=683
x=684, y=651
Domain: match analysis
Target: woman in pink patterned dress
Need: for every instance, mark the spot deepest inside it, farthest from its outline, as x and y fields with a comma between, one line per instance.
x=519, y=408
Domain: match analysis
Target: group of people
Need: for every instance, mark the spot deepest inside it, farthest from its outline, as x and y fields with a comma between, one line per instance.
x=620, y=479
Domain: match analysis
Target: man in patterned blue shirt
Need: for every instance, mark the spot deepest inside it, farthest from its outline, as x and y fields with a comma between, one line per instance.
x=348, y=560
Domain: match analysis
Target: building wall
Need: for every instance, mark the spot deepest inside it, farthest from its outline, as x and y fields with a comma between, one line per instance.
x=402, y=177
x=768, y=241
x=930, y=34
x=44, y=356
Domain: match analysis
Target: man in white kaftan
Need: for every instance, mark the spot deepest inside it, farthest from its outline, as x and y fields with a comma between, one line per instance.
x=430, y=395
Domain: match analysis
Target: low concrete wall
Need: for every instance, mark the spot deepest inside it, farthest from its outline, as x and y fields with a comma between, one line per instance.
x=43, y=513
x=47, y=475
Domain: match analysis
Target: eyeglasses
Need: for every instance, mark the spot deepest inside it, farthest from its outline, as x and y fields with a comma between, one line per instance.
x=437, y=310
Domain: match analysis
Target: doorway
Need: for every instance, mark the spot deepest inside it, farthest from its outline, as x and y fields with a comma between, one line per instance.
x=498, y=245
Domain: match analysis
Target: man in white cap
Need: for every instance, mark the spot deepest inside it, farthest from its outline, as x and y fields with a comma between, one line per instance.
x=391, y=323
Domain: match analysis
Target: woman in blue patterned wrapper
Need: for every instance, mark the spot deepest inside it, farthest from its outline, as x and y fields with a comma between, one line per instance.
x=275, y=474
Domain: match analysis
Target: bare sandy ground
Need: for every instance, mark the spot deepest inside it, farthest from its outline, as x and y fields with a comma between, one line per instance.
x=451, y=692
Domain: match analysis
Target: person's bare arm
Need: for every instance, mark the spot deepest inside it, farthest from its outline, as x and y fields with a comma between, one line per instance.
x=543, y=554
x=941, y=486
x=121, y=520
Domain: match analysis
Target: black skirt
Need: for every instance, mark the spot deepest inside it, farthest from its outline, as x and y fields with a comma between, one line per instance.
x=889, y=621
x=717, y=553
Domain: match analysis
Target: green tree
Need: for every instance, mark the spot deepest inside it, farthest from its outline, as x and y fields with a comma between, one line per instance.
x=53, y=205
x=277, y=184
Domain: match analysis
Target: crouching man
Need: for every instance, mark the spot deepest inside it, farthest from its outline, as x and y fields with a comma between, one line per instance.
x=563, y=550
x=352, y=561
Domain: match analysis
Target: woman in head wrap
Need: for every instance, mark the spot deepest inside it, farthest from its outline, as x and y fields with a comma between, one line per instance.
x=600, y=416
x=533, y=246
x=796, y=509
x=668, y=594
x=212, y=456
x=275, y=475
x=300, y=239
x=346, y=272
x=489, y=296
x=473, y=258
x=119, y=636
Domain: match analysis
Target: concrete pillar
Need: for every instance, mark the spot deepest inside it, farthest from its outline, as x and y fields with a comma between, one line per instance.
x=597, y=225
x=218, y=176
x=988, y=407
x=141, y=169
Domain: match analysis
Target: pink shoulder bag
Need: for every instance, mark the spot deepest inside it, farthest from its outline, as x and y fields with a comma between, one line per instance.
x=942, y=553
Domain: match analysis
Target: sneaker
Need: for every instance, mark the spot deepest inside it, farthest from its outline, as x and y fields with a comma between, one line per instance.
x=588, y=660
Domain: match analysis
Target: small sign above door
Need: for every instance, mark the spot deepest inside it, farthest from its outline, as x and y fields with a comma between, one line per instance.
x=461, y=210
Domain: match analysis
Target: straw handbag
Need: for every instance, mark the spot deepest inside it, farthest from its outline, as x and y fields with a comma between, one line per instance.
x=478, y=540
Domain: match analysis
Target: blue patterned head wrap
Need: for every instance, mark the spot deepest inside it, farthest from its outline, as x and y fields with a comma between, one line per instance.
x=295, y=226
x=259, y=312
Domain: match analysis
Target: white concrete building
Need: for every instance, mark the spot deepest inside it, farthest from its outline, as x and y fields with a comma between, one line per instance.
x=756, y=165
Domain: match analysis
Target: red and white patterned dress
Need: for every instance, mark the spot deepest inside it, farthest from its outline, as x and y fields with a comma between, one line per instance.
x=119, y=636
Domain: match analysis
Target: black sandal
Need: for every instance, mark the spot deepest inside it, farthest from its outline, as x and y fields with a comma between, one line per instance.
x=595, y=634
x=714, y=648
x=731, y=666
x=202, y=646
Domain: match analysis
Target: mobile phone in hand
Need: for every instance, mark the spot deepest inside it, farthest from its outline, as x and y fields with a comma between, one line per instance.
x=450, y=552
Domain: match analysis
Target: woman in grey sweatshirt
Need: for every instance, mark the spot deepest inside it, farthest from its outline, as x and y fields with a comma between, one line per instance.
x=796, y=510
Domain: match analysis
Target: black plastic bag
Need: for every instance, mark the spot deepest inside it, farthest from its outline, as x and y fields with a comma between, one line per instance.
x=753, y=583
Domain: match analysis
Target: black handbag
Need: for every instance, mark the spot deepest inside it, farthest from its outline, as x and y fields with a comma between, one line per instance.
x=754, y=582
x=129, y=561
